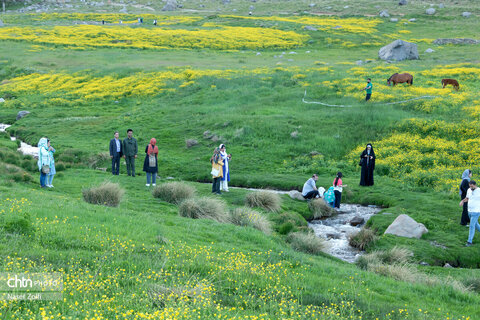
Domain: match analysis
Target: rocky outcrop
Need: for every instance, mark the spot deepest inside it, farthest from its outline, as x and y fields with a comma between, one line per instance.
x=442, y=41
x=399, y=50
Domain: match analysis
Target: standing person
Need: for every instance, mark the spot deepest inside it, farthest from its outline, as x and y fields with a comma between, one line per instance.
x=473, y=200
x=154, y=22
x=310, y=190
x=467, y=174
x=130, y=150
x=367, y=161
x=150, y=165
x=337, y=189
x=52, y=172
x=217, y=170
x=43, y=161
x=368, y=89
x=226, y=171
x=116, y=152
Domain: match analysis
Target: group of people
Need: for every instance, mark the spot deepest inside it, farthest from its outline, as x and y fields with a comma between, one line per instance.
x=46, y=163
x=128, y=149
x=220, y=170
x=470, y=201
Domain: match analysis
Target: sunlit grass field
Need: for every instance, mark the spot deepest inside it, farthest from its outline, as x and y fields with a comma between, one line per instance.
x=226, y=77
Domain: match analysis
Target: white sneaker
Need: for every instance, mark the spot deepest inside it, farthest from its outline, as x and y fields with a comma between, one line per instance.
x=148, y=185
x=153, y=184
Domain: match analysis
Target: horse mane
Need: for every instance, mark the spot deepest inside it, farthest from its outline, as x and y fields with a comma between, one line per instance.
x=392, y=76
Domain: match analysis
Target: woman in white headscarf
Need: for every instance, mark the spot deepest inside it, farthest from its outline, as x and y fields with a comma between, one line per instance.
x=43, y=161
x=226, y=172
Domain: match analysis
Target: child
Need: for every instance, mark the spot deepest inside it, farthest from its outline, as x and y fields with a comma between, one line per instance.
x=329, y=197
x=337, y=189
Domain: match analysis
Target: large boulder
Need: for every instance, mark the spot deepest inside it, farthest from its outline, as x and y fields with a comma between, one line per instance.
x=297, y=195
x=399, y=50
x=171, y=5
x=357, y=220
x=22, y=114
x=430, y=11
x=404, y=226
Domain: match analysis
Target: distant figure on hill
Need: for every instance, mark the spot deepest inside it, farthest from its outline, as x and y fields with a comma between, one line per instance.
x=130, y=150
x=154, y=22
x=116, y=152
x=368, y=89
x=103, y=21
x=226, y=170
x=150, y=165
x=310, y=190
x=217, y=170
x=337, y=189
x=367, y=161
x=51, y=163
x=43, y=161
x=464, y=185
x=473, y=200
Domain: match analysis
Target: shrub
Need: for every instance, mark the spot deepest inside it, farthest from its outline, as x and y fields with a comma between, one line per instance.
x=264, y=199
x=306, y=242
x=473, y=283
x=97, y=159
x=204, y=208
x=250, y=218
x=362, y=239
x=320, y=208
x=107, y=194
x=173, y=192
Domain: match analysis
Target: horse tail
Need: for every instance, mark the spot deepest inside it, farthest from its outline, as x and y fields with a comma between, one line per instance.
x=411, y=81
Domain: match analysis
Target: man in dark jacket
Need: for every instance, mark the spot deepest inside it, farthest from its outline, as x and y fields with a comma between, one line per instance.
x=130, y=150
x=116, y=152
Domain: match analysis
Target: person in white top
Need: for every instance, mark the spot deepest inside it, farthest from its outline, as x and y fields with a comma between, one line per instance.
x=473, y=199
x=226, y=171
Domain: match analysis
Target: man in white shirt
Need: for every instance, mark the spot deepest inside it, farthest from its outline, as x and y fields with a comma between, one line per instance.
x=310, y=190
x=473, y=199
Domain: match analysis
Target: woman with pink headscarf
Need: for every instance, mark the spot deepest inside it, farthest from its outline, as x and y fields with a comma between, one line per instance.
x=150, y=165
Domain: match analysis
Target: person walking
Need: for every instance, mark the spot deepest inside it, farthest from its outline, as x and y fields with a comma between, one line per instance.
x=49, y=178
x=466, y=176
x=473, y=200
x=217, y=170
x=367, y=161
x=116, y=152
x=310, y=190
x=43, y=161
x=150, y=165
x=226, y=171
x=368, y=89
x=337, y=189
x=130, y=150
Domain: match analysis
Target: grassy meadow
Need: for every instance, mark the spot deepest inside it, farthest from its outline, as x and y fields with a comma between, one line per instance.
x=214, y=75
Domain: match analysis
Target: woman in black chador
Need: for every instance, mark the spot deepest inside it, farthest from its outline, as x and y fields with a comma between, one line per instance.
x=367, y=160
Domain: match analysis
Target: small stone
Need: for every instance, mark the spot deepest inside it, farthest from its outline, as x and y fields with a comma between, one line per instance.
x=447, y=265
x=308, y=51
x=402, y=2
x=310, y=28
x=357, y=221
x=346, y=7
x=466, y=14
x=170, y=178
x=311, y=5
x=258, y=53
x=384, y=14
x=22, y=114
x=441, y=6
x=292, y=52
x=393, y=20
x=251, y=8
x=2, y=100
x=429, y=50
x=359, y=62
x=412, y=20
x=386, y=213
x=423, y=263
x=430, y=11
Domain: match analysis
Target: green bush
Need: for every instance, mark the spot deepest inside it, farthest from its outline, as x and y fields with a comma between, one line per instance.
x=320, y=208
x=107, y=194
x=174, y=192
x=306, y=242
x=204, y=208
x=250, y=218
x=17, y=222
x=267, y=200
x=285, y=228
x=362, y=239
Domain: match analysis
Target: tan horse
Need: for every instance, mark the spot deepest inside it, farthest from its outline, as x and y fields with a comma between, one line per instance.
x=400, y=78
x=453, y=82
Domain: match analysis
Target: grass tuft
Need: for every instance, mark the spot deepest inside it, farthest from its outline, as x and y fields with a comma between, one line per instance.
x=204, y=208
x=362, y=239
x=107, y=194
x=306, y=242
x=173, y=192
x=320, y=209
x=264, y=199
x=250, y=218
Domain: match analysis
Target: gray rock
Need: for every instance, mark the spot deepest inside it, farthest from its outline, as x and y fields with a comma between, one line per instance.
x=466, y=14
x=412, y=20
x=123, y=10
x=443, y=41
x=310, y=28
x=399, y=50
x=2, y=100
x=357, y=221
x=402, y=2
x=170, y=178
x=333, y=236
x=296, y=195
x=171, y=5
x=384, y=14
x=423, y=263
x=441, y=6
x=429, y=50
x=447, y=265
x=22, y=114
x=404, y=226
x=346, y=7
x=393, y=20
x=359, y=62
x=258, y=53
x=430, y=11
x=292, y=52
x=251, y=8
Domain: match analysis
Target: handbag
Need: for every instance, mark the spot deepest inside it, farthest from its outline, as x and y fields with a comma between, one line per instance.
x=152, y=162
x=215, y=172
x=46, y=169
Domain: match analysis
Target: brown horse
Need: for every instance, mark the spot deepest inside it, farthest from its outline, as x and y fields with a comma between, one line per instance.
x=400, y=78
x=453, y=82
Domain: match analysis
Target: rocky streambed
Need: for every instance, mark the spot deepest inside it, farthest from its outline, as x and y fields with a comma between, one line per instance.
x=24, y=148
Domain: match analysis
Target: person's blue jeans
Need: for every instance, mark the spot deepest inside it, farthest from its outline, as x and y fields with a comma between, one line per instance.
x=50, y=179
x=473, y=225
x=116, y=165
x=43, y=179
x=151, y=176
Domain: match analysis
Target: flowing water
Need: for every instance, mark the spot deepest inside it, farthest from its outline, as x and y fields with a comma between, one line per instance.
x=25, y=148
x=336, y=230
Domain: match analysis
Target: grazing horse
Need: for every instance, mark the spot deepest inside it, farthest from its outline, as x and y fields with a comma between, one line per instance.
x=453, y=82
x=400, y=78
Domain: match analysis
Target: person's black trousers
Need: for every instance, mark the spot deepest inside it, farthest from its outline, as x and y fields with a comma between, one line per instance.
x=311, y=194
x=216, y=185
x=338, y=198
